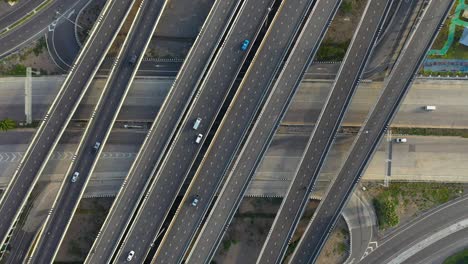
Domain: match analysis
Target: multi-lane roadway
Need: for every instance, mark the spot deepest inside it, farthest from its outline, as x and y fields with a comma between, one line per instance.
x=324, y=132
x=163, y=129
x=371, y=133
x=213, y=92
x=59, y=114
x=98, y=129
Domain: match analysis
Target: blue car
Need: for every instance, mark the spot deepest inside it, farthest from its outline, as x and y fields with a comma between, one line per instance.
x=245, y=44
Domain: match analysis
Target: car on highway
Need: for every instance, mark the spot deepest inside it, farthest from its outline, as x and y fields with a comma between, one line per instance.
x=400, y=140
x=199, y=138
x=245, y=44
x=130, y=255
x=195, y=200
x=430, y=107
x=197, y=123
x=75, y=176
x=96, y=146
x=133, y=59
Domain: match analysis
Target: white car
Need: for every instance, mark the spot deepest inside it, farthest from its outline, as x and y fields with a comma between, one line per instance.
x=130, y=255
x=400, y=140
x=75, y=176
x=199, y=138
x=195, y=200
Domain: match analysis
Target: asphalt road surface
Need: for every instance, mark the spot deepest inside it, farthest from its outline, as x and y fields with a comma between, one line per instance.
x=415, y=241
x=97, y=131
x=11, y=14
x=256, y=84
x=59, y=114
x=323, y=135
x=284, y=88
x=398, y=82
x=160, y=134
x=32, y=29
x=183, y=151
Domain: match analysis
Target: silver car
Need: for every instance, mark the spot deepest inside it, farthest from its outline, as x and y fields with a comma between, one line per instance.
x=75, y=176
x=130, y=255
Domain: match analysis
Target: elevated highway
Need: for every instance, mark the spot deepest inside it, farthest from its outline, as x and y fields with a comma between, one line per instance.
x=372, y=132
x=97, y=131
x=163, y=129
x=259, y=139
x=60, y=112
x=324, y=133
x=183, y=151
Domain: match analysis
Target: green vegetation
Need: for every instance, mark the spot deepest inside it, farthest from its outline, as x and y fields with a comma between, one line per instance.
x=330, y=51
x=40, y=46
x=7, y=124
x=390, y=201
x=458, y=258
x=443, y=74
x=341, y=247
x=346, y=7
x=386, y=210
x=16, y=70
x=228, y=243
x=431, y=132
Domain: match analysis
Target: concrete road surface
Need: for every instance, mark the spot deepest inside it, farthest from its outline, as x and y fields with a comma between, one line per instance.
x=147, y=94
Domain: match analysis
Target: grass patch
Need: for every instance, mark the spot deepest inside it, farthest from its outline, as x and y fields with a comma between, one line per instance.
x=40, y=46
x=391, y=203
x=341, y=248
x=330, y=51
x=16, y=70
x=431, y=132
x=346, y=7
x=228, y=243
x=458, y=258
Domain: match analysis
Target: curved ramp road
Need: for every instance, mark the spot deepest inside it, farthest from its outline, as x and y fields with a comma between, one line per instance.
x=323, y=135
x=367, y=141
x=161, y=132
x=60, y=113
x=183, y=151
x=98, y=130
x=249, y=158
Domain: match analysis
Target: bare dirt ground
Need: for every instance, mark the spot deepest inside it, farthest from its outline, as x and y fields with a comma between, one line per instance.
x=35, y=55
x=86, y=223
x=249, y=229
x=87, y=18
x=345, y=22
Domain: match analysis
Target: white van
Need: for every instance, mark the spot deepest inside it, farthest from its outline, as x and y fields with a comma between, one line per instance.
x=430, y=108
x=197, y=123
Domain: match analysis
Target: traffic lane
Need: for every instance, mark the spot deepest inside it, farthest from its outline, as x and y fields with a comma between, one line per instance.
x=210, y=99
x=324, y=132
x=162, y=130
x=255, y=85
x=328, y=211
x=11, y=14
x=31, y=29
x=439, y=251
x=107, y=109
x=44, y=139
x=417, y=230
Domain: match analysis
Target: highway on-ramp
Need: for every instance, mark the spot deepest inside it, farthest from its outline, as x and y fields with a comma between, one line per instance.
x=183, y=151
x=60, y=113
x=371, y=133
x=98, y=130
x=164, y=127
x=323, y=135
x=260, y=137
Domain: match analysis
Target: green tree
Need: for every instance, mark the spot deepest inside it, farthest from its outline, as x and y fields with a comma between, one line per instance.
x=7, y=124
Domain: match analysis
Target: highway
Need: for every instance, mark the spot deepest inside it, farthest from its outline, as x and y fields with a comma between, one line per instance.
x=282, y=91
x=425, y=237
x=34, y=27
x=163, y=129
x=324, y=132
x=98, y=129
x=371, y=133
x=11, y=14
x=254, y=87
x=183, y=151
x=59, y=114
